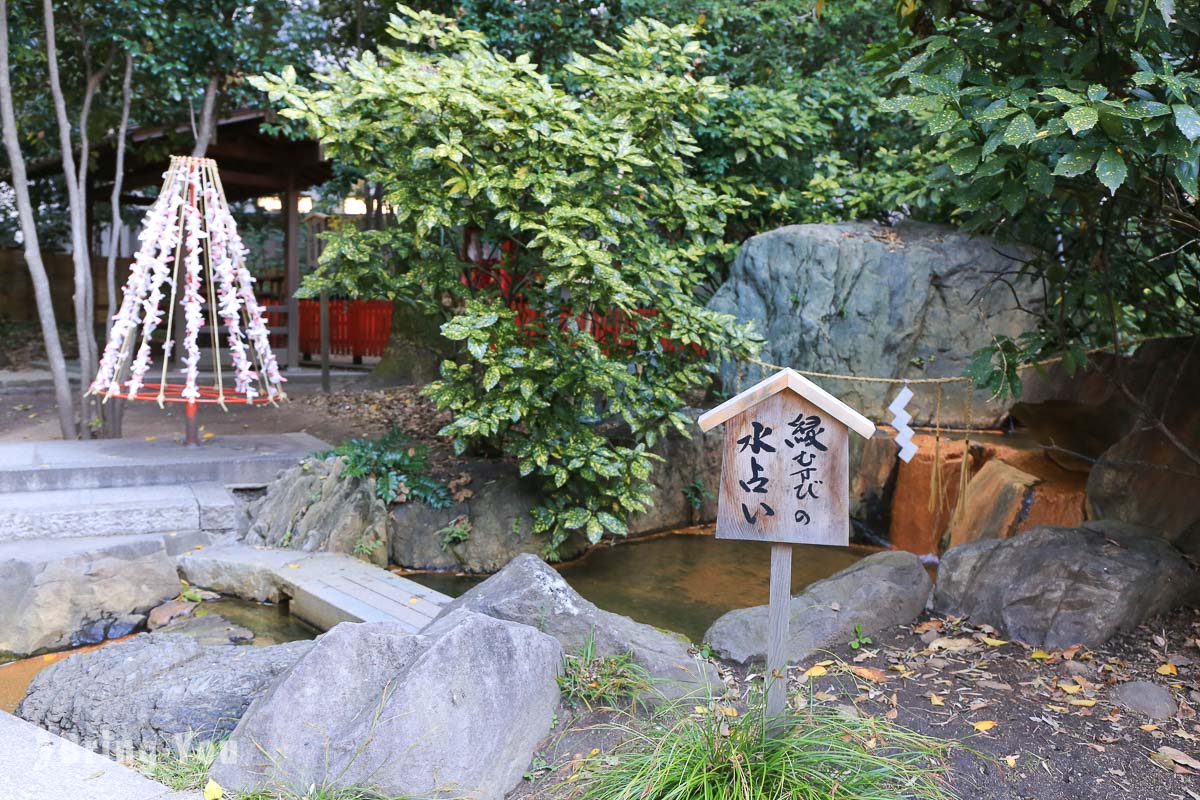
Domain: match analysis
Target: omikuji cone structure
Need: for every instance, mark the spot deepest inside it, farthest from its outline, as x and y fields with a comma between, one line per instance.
x=191, y=257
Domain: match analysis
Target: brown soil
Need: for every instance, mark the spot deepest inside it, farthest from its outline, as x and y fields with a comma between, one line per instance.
x=1032, y=725
x=353, y=411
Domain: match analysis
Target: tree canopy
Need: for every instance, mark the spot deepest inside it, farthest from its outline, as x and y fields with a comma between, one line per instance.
x=1074, y=128
x=560, y=232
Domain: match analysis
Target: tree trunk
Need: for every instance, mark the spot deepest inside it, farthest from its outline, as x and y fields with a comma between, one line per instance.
x=114, y=237
x=112, y=411
x=79, y=244
x=33, y=252
x=207, y=113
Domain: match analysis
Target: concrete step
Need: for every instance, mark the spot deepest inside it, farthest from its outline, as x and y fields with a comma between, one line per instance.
x=208, y=508
x=37, y=765
x=322, y=589
x=250, y=460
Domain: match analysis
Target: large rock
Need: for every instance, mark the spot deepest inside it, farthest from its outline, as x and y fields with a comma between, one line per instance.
x=1112, y=414
x=498, y=510
x=881, y=591
x=998, y=498
x=316, y=507
x=500, y=526
x=455, y=711
x=531, y=592
x=862, y=299
x=62, y=593
x=1054, y=587
x=153, y=692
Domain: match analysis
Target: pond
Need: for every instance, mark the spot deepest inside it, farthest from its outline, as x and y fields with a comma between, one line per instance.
x=271, y=624
x=681, y=581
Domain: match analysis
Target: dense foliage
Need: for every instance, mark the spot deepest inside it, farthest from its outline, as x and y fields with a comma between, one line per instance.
x=1073, y=127
x=560, y=233
x=400, y=469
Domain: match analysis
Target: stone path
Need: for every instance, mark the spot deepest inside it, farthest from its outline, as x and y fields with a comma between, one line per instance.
x=107, y=463
x=323, y=589
x=37, y=765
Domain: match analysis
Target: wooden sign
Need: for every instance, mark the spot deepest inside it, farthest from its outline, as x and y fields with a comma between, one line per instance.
x=784, y=479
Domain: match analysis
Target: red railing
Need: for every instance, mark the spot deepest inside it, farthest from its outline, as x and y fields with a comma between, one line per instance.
x=356, y=327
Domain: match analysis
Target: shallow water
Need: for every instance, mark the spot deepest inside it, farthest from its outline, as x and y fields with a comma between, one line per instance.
x=679, y=581
x=271, y=625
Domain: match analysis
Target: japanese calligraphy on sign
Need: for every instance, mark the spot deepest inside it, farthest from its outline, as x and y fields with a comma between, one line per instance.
x=784, y=480
x=785, y=472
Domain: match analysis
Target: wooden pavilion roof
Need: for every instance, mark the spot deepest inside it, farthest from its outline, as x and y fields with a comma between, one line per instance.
x=252, y=163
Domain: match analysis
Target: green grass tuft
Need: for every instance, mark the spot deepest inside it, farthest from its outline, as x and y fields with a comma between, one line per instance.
x=601, y=681
x=822, y=754
x=179, y=771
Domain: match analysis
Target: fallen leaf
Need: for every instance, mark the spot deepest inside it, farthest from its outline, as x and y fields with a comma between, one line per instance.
x=936, y=625
x=935, y=700
x=1167, y=669
x=151, y=438
x=1148, y=727
x=208, y=435
x=1070, y=688
x=1179, y=757
x=990, y=642
x=1040, y=655
x=871, y=674
x=1011, y=761
x=816, y=671
x=984, y=725
x=825, y=697
x=213, y=790
x=1085, y=702
x=951, y=645
x=700, y=709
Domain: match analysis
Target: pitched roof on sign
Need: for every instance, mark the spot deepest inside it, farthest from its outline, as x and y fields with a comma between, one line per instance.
x=788, y=379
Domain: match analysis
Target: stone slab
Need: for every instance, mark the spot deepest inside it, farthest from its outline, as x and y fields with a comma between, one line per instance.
x=119, y=511
x=322, y=589
x=236, y=460
x=37, y=765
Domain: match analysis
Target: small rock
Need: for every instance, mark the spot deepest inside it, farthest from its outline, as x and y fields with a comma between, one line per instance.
x=929, y=637
x=1146, y=698
x=168, y=611
x=1075, y=669
x=210, y=629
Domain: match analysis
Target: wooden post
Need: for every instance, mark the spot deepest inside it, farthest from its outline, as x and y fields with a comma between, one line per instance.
x=291, y=258
x=779, y=614
x=325, y=387
x=784, y=480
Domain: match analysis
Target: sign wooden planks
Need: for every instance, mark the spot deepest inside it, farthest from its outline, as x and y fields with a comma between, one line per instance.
x=785, y=474
x=785, y=480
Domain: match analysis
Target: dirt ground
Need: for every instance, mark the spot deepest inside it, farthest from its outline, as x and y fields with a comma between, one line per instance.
x=1033, y=725
x=354, y=409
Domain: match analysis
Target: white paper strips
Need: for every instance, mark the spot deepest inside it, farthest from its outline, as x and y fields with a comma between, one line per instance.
x=900, y=420
x=189, y=242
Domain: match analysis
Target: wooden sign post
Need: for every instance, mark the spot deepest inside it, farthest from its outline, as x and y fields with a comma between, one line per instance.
x=785, y=480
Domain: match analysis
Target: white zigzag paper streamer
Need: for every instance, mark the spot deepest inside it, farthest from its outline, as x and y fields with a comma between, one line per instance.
x=900, y=420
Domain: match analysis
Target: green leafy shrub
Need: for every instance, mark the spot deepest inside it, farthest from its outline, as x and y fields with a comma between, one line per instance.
x=531, y=217
x=400, y=469
x=714, y=754
x=1074, y=128
x=601, y=681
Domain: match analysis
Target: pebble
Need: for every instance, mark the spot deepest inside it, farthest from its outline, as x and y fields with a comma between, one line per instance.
x=1148, y=699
